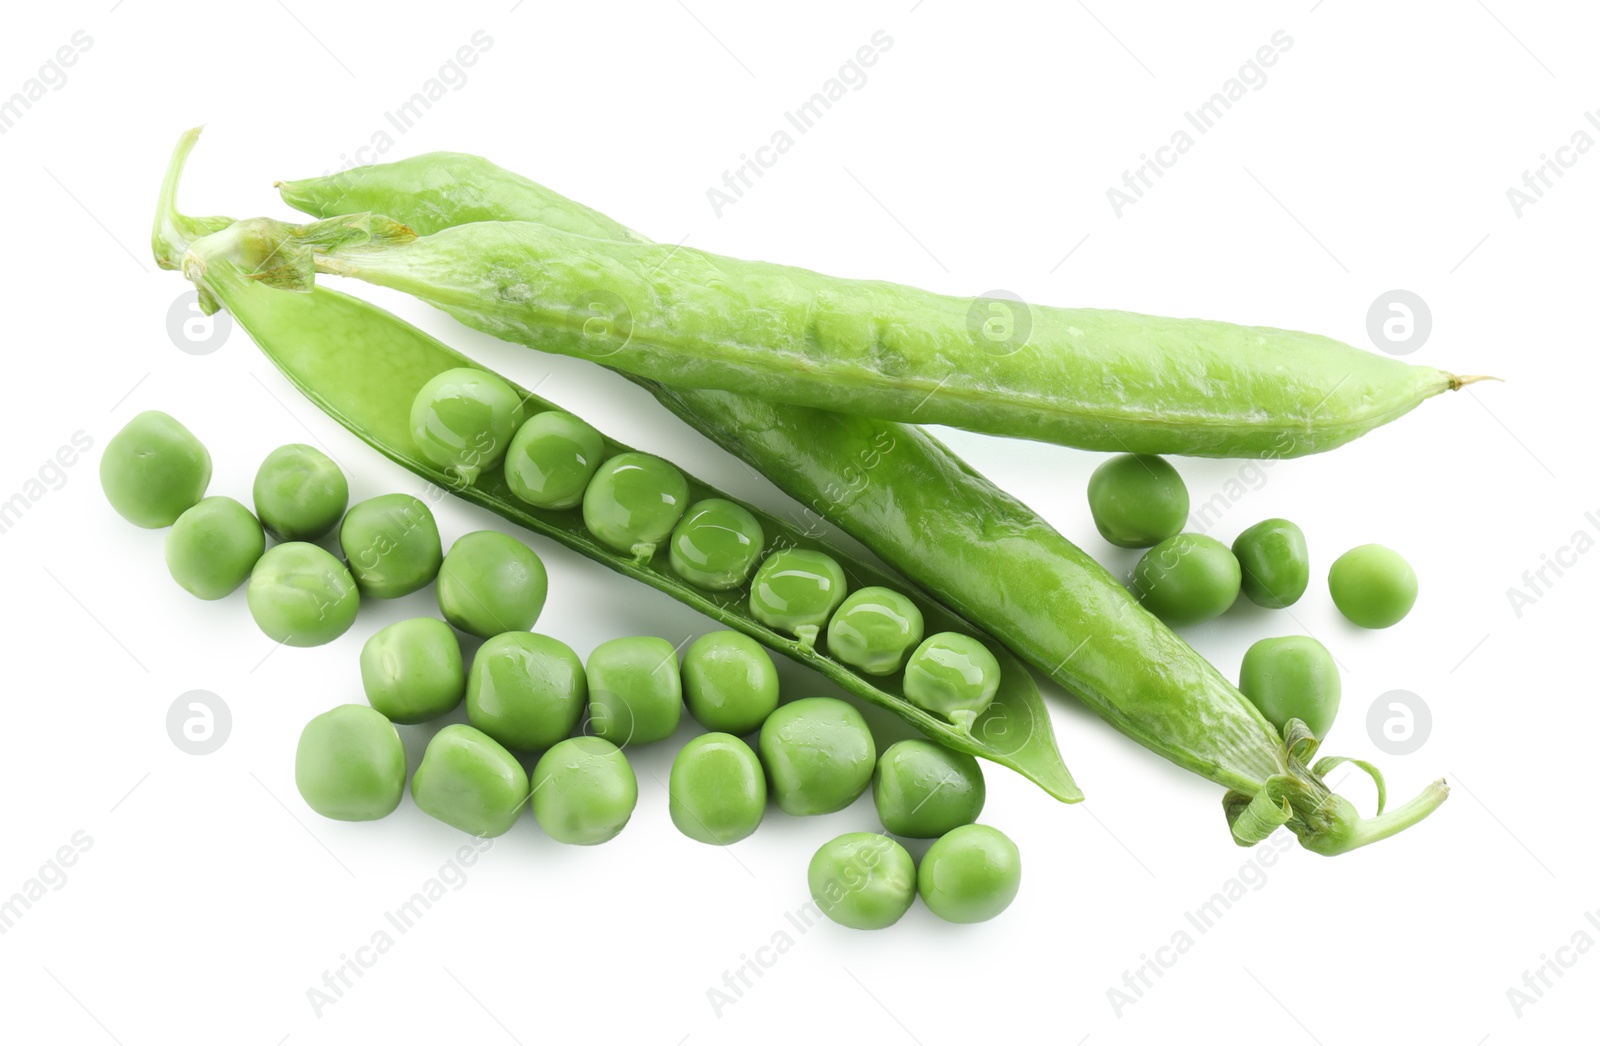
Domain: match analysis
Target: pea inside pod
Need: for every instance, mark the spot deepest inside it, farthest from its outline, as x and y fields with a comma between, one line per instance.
x=954, y=676
x=796, y=590
x=552, y=458
x=633, y=503
x=716, y=544
x=874, y=629
x=463, y=420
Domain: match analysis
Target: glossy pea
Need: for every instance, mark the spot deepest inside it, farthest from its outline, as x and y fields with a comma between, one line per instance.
x=411, y=670
x=952, y=675
x=300, y=595
x=1274, y=566
x=716, y=792
x=154, y=470
x=796, y=590
x=468, y=780
x=491, y=583
x=729, y=682
x=1373, y=586
x=863, y=880
x=818, y=754
x=584, y=791
x=633, y=503
x=350, y=764
x=1137, y=500
x=213, y=546
x=970, y=874
x=874, y=629
x=716, y=544
x=635, y=691
x=923, y=790
x=526, y=690
x=552, y=458
x=463, y=419
x=300, y=493
x=1293, y=677
x=391, y=543
x=1187, y=579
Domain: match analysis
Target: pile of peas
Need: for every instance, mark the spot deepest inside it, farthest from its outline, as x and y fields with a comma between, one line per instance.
x=1140, y=501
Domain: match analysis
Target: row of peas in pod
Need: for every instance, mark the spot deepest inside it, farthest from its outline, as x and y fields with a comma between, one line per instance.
x=1140, y=501
x=466, y=421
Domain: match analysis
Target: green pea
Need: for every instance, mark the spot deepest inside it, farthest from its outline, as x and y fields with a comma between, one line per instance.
x=863, y=880
x=1273, y=563
x=584, y=791
x=300, y=493
x=526, y=690
x=819, y=755
x=213, y=546
x=1187, y=579
x=301, y=596
x=729, y=682
x=154, y=470
x=952, y=675
x=463, y=419
x=1373, y=586
x=796, y=590
x=350, y=764
x=923, y=790
x=551, y=459
x=635, y=692
x=1292, y=678
x=469, y=781
x=392, y=545
x=716, y=792
x=411, y=670
x=970, y=874
x=716, y=544
x=1137, y=500
x=633, y=503
x=874, y=629
x=491, y=583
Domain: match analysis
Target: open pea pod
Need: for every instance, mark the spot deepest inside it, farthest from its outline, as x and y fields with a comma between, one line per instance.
x=363, y=366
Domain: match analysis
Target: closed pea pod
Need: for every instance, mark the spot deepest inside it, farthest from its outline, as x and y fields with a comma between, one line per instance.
x=716, y=544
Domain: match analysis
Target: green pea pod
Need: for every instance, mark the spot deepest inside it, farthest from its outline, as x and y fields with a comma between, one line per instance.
x=364, y=366
x=927, y=513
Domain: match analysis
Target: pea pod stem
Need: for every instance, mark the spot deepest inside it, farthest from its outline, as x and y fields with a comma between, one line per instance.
x=930, y=515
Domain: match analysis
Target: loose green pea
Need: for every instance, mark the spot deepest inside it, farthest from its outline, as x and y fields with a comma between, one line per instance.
x=1274, y=565
x=635, y=692
x=551, y=459
x=154, y=470
x=301, y=596
x=874, y=629
x=1293, y=677
x=1373, y=586
x=819, y=755
x=300, y=493
x=1137, y=500
x=584, y=791
x=469, y=781
x=716, y=544
x=716, y=792
x=952, y=675
x=491, y=583
x=729, y=682
x=411, y=670
x=923, y=790
x=970, y=875
x=633, y=503
x=350, y=764
x=463, y=420
x=863, y=880
x=392, y=545
x=213, y=546
x=526, y=690
x=796, y=590
x=1187, y=579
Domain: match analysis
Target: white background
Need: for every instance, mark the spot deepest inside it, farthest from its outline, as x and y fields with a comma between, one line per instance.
x=976, y=156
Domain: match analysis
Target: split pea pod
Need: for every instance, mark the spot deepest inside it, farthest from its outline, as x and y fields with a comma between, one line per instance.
x=931, y=516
